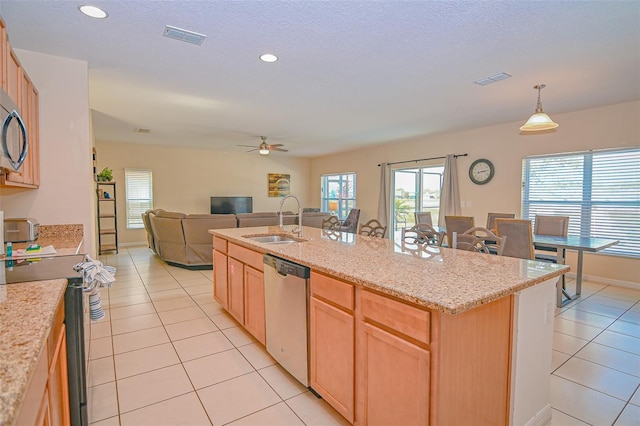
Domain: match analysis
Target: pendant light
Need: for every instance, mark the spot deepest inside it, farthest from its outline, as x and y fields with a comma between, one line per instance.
x=539, y=120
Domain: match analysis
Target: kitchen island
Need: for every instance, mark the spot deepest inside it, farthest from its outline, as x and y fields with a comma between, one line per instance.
x=407, y=335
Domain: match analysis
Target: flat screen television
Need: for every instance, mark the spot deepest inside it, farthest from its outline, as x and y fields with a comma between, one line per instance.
x=227, y=205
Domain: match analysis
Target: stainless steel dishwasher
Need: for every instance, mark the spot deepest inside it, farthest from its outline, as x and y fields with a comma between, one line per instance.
x=286, y=287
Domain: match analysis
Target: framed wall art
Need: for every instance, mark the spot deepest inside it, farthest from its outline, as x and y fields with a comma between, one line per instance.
x=279, y=184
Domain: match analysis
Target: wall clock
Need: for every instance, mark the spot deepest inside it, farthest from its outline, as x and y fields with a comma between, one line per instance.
x=481, y=171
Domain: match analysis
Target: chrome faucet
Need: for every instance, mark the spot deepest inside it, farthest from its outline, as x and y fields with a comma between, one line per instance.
x=280, y=216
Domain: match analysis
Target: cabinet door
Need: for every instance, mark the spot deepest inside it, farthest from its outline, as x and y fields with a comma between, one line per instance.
x=393, y=379
x=14, y=75
x=58, y=383
x=332, y=356
x=220, y=284
x=236, y=289
x=254, y=320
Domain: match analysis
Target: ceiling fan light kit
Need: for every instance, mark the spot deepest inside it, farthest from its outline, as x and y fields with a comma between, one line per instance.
x=264, y=148
x=539, y=120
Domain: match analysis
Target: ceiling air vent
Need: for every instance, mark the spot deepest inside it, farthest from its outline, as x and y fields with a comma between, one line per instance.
x=141, y=130
x=183, y=35
x=492, y=79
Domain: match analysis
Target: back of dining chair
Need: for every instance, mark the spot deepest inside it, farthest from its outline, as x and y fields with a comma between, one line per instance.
x=423, y=218
x=422, y=234
x=557, y=226
x=493, y=243
x=469, y=242
x=491, y=218
x=373, y=228
x=350, y=224
x=519, y=237
x=457, y=224
x=331, y=223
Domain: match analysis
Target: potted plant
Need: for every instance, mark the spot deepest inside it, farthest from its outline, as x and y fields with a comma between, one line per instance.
x=106, y=175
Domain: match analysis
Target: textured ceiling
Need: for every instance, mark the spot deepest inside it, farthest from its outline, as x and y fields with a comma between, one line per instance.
x=350, y=73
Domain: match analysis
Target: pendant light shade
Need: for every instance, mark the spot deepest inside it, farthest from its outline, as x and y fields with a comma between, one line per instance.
x=539, y=120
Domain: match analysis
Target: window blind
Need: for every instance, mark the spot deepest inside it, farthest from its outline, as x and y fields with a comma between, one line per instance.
x=598, y=190
x=139, y=195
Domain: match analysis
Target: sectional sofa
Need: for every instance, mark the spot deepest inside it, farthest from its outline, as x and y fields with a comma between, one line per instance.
x=183, y=239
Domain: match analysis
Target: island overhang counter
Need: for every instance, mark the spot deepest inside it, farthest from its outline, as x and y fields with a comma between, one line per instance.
x=465, y=337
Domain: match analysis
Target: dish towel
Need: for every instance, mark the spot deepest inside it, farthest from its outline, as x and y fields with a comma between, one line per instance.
x=95, y=275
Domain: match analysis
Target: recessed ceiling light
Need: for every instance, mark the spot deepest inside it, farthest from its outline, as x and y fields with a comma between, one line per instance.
x=93, y=11
x=268, y=57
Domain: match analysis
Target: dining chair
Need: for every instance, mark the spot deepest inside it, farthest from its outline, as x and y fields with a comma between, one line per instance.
x=373, y=228
x=350, y=224
x=331, y=223
x=554, y=226
x=457, y=224
x=493, y=243
x=422, y=234
x=468, y=242
x=491, y=219
x=519, y=237
x=423, y=217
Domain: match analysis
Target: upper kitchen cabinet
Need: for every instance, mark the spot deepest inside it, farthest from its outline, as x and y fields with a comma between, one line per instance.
x=17, y=84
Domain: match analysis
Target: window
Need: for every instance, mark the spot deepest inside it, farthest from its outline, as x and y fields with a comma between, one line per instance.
x=416, y=190
x=598, y=190
x=139, y=195
x=339, y=194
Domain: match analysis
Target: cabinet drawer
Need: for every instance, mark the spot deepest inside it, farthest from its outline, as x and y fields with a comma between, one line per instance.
x=246, y=256
x=220, y=244
x=403, y=318
x=332, y=290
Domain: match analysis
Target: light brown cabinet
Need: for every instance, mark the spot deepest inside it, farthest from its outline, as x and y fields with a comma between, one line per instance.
x=239, y=285
x=236, y=289
x=20, y=88
x=47, y=398
x=220, y=285
x=332, y=339
x=254, y=316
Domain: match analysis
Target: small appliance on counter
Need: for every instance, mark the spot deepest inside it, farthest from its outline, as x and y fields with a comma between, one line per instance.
x=20, y=230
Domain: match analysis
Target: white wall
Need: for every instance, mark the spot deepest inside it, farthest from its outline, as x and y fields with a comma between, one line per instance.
x=184, y=178
x=66, y=186
x=607, y=127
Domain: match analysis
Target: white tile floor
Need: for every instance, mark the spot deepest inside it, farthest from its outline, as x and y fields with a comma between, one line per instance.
x=167, y=354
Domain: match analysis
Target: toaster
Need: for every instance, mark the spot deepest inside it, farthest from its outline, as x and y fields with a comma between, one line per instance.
x=20, y=230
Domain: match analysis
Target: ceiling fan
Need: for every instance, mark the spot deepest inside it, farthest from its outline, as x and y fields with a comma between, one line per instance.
x=264, y=148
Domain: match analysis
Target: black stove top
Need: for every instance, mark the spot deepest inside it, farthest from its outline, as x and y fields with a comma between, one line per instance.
x=45, y=268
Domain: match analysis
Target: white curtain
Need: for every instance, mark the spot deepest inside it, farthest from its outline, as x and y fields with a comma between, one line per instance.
x=383, y=200
x=450, y=194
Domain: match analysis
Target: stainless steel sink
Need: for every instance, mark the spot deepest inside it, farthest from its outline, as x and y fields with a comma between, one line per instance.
x=274, y=239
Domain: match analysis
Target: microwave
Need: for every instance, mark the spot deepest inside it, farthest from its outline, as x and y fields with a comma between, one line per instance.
x=13, y=135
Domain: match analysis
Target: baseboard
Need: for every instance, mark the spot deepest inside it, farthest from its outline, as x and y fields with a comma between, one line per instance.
x=134, y=244
x=542, y=418
x=608, y=281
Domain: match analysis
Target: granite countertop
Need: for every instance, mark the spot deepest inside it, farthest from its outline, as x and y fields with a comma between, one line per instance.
x=26, y=317
x=447, y=280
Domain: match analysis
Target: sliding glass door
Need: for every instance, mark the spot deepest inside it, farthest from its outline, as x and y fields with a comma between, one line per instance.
x=415, y=189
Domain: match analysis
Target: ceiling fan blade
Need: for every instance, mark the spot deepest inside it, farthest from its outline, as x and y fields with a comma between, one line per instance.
x=248, y=146
x=275, y=145
x=279, y=149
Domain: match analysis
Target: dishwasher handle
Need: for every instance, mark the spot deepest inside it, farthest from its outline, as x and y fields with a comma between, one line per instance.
x=284, y=267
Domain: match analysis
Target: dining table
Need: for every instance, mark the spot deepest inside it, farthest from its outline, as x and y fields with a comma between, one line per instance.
x=580, y=245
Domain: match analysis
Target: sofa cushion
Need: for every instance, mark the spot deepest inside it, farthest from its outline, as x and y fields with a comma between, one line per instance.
x=170, y=215
x=169, y=236
x=257, y=219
